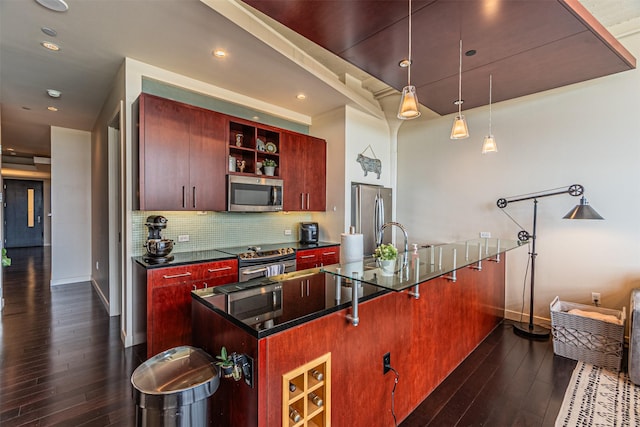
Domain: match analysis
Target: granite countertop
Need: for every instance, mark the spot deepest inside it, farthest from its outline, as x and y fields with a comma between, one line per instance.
x=304, y=296
x=182, y=258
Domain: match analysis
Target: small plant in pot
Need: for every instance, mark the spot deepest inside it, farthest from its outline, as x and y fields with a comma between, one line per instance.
x=225, y=362
x=386, y=255
x=269, y=166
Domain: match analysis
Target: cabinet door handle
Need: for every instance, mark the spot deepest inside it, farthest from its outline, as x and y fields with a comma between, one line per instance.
x=307, y=287
x=194, y=197
x=205, y=285
x=183, y=198
x=328, y=253
x=302, y=201
x=307, y=201
x=307, y=256
x=301, y=289
x=213, y=270
x=257, y=270
x=175, y=276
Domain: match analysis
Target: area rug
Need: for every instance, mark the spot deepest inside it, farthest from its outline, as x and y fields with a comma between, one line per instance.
x=598, y=397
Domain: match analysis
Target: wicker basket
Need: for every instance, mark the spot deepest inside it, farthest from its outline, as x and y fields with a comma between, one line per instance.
x=592, y=341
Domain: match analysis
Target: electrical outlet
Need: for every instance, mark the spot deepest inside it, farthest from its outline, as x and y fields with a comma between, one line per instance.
x=183, y=238
x=595, y=298
x=386, y=363
x=485, y=234
x=287, y=232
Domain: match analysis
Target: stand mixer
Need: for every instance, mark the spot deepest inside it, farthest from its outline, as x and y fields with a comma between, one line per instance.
x=158, y=249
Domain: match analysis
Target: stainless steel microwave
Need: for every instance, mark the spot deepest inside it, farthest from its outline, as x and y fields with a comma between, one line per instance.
x=253, y=194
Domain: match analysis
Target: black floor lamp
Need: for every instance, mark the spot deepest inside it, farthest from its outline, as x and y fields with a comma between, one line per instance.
x=581, y=211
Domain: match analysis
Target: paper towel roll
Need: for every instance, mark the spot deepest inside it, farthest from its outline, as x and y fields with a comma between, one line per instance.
x=351, y=247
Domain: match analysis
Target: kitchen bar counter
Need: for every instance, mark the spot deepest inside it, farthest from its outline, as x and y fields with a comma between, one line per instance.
x=305, y=295
x=427, y=338
x=183, y=258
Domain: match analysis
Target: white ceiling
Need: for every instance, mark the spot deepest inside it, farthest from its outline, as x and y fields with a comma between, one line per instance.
x=177, y=35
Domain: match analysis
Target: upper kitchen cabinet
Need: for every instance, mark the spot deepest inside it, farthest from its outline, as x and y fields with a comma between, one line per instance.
x=182, y=156
x=303, y=161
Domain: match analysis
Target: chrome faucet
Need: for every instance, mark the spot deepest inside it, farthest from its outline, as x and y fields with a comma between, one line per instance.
x=404, y=231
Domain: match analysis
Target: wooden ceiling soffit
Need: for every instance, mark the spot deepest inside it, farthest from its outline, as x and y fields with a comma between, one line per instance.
x=528, y=45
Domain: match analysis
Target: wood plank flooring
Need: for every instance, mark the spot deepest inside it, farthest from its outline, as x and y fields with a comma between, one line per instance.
x=61, y=358
x=62, y=363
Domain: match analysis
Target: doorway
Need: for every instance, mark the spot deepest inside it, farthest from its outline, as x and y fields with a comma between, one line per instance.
x=23, y=213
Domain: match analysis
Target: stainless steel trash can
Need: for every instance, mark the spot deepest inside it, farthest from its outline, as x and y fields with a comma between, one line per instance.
x=172, y=388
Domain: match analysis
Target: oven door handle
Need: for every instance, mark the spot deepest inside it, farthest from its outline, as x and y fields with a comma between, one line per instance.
x=257, y=270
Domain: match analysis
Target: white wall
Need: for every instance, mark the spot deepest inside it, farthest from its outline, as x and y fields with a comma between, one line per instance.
x=585, y=133
x=70, y=206
x=349, y=132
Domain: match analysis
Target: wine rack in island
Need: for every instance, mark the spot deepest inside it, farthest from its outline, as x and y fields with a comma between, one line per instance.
x=253, y=150
x=306, y=394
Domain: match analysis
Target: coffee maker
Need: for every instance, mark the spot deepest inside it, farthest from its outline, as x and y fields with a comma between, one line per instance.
x=158, y=249
x=308, y=232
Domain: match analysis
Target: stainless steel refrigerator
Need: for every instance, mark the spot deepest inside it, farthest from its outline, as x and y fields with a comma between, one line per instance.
x=370, y=208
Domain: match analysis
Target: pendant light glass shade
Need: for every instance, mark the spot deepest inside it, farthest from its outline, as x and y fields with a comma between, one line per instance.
x=460, y=129
x=489, y=144
x=409, y=107
x=408, y=104
x=583, y=211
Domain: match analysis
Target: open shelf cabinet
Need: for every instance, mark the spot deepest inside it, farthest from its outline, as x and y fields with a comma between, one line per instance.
x=250, y=146
x=306, y=394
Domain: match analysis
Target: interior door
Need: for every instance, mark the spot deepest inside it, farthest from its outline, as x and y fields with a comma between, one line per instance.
x=23, y=213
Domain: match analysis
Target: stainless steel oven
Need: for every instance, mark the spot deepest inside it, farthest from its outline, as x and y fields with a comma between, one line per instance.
x=252, y=194
x=262, y=269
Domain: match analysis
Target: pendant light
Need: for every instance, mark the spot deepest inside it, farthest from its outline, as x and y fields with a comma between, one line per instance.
x=459, y=129
x=489, y=145
x=409, y=101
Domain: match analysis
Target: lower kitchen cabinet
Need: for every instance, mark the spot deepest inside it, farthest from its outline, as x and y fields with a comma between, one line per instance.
x=169, y=300
x=312, y=258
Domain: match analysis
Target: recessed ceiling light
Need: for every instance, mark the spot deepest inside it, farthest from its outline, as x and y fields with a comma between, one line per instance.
x=219, y=53
x=49, y=31
x=55, y=5
x=54, y=93
x=13, y=153
x=470, y=52
x=26, y=108
x=11, y=149
x=50, y=46
x=52, y=108
x=404, y=63
x=301, y=96
x=256, y=118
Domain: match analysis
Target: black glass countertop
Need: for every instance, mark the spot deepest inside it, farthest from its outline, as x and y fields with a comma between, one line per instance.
x=181, y=258
x=266, y=306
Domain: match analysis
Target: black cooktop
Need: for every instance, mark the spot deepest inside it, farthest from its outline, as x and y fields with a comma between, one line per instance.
x=260, y=251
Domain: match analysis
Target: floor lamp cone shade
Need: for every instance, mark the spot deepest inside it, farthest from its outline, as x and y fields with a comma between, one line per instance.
x=408, y=104
x=583, y=211
x=459, y=129
x=489, y=145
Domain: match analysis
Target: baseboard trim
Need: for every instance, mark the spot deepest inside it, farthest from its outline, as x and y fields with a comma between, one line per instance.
x=69, y=280
x=524, y=317
x=104, y=300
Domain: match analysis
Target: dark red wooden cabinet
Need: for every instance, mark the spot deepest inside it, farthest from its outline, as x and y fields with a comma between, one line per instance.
x=312, y=258
x=169, y=300
x=303, y=161
x=182, y=156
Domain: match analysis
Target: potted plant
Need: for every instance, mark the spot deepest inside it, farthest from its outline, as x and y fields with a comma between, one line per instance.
x=225, y=362
x=6, y=261
x=269, y=167
x=386, y=255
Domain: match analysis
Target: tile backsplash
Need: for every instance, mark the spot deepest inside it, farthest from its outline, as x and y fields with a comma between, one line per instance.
x=211, y=230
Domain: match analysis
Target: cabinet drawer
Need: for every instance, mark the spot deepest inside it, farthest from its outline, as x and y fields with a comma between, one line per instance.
x=210, y=270
x=172, y=275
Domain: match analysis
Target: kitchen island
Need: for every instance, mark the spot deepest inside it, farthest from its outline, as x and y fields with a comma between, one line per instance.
x=304, y=324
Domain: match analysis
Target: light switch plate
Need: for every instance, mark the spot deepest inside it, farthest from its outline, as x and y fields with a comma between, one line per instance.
x=183, y=238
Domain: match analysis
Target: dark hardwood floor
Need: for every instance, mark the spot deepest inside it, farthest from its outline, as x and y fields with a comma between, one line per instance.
x=62, y=363
x=61, y=358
